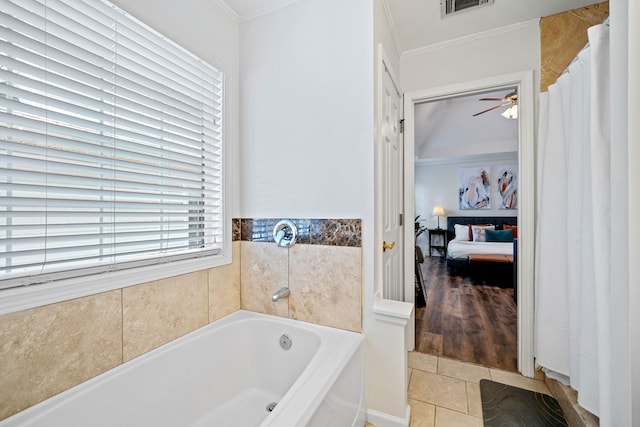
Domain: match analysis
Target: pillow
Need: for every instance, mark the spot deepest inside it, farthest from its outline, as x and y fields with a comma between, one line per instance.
x=470, y=226
x=512, y=227
x=462, y=232
x=479, y=230
x=498, y=235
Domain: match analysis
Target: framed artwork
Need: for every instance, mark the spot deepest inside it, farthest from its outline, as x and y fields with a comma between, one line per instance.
x=474, y=188
x=508, y=187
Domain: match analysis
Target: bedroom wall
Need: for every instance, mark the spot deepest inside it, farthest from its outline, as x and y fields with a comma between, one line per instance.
x=436, y=184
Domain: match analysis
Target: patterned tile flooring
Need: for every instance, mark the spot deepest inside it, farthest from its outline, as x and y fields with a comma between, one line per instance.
x=446, y=393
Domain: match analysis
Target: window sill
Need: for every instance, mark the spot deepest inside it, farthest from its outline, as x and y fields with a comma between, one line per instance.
x=26, y=297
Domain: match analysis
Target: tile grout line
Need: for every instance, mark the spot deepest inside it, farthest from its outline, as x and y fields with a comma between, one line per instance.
x=122, y=325
x=466, y=389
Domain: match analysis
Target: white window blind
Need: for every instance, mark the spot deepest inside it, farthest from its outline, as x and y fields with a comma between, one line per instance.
x=110, y=144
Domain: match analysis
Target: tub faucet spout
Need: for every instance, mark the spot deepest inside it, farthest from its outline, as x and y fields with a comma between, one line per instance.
x=280, y=294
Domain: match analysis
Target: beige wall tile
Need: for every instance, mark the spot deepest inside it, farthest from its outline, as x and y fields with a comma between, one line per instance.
x=49, y=349
x=326, y=285
x=224, y=287
x=157, y=312
x=263, y=270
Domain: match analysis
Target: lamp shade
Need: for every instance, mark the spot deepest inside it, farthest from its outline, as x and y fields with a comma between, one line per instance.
x=438, y=210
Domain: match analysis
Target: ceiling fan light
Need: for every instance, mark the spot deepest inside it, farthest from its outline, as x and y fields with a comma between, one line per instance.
x=511, y=112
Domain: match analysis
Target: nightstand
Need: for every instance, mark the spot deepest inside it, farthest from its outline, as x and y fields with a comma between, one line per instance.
x=440, y=242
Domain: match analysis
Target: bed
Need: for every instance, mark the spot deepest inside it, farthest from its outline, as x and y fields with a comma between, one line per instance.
x=485, y=262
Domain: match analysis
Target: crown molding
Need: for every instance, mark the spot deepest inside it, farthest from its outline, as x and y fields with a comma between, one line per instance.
x=471, y=37
x=452, y=160
x=390, y=22
x=228, y=11
x=240, y=19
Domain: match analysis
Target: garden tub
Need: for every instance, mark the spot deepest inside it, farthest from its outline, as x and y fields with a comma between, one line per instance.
x=246, y=369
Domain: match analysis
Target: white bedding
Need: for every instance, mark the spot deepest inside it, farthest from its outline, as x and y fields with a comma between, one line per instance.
x=458, y=249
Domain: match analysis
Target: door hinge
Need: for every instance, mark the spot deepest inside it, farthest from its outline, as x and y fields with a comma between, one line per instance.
x=402, y=126
x=401, y=219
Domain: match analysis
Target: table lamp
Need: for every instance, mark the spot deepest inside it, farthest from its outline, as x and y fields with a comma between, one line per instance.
x=438, y=211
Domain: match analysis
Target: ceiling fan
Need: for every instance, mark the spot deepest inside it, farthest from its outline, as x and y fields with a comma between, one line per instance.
x=510, y=100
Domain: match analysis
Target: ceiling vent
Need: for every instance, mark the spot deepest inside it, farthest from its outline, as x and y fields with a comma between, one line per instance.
x=449, y=7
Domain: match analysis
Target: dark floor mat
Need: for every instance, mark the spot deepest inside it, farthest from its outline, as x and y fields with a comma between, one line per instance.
x=504, y=405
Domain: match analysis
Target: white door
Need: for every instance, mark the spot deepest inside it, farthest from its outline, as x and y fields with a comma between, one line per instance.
x=392, y=195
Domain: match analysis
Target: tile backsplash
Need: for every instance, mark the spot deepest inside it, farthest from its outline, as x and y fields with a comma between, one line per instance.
x=323, y=271
x=328, y=232
x=48, y=349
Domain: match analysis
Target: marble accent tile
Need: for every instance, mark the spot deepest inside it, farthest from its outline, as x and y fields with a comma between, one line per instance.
x=157, y=312
x=336, y=232
x=424, y=362
x=474, y=399
x=438, y=390
x=261, y=229
x=263, y=270
x=326, y=285
x=236, y=229
x=422, y=414
x=327, y=232
x=49, y=349
x=463, y=371
x=224, y=287
x=517, y=380
x=449, y=418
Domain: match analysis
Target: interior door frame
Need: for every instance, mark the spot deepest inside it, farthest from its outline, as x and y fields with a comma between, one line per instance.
x=523, y=81
x=384, y=65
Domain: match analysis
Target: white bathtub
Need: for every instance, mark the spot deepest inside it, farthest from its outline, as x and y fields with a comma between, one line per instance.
x=223, y=375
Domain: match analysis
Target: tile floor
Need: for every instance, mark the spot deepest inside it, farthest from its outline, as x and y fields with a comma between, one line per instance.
x=446, y=393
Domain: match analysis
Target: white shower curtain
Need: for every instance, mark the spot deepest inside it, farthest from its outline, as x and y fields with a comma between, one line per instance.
x=573, y=223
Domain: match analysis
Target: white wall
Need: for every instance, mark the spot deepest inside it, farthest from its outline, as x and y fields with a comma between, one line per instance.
x=207, y=31
x=503, y=51
x=631, y=393
x=307, y=111
x=624, y=381
x=382, y=34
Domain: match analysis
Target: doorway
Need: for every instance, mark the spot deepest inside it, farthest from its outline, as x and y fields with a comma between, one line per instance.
x=523, y=84
x=470, y=313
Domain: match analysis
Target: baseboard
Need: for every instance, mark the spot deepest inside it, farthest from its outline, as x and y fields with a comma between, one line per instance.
x=379, y=419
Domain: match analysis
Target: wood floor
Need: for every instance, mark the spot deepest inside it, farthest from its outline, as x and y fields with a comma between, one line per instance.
x=466, y=322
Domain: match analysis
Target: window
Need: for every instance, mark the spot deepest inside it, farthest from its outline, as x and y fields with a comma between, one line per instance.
x=110, y=144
